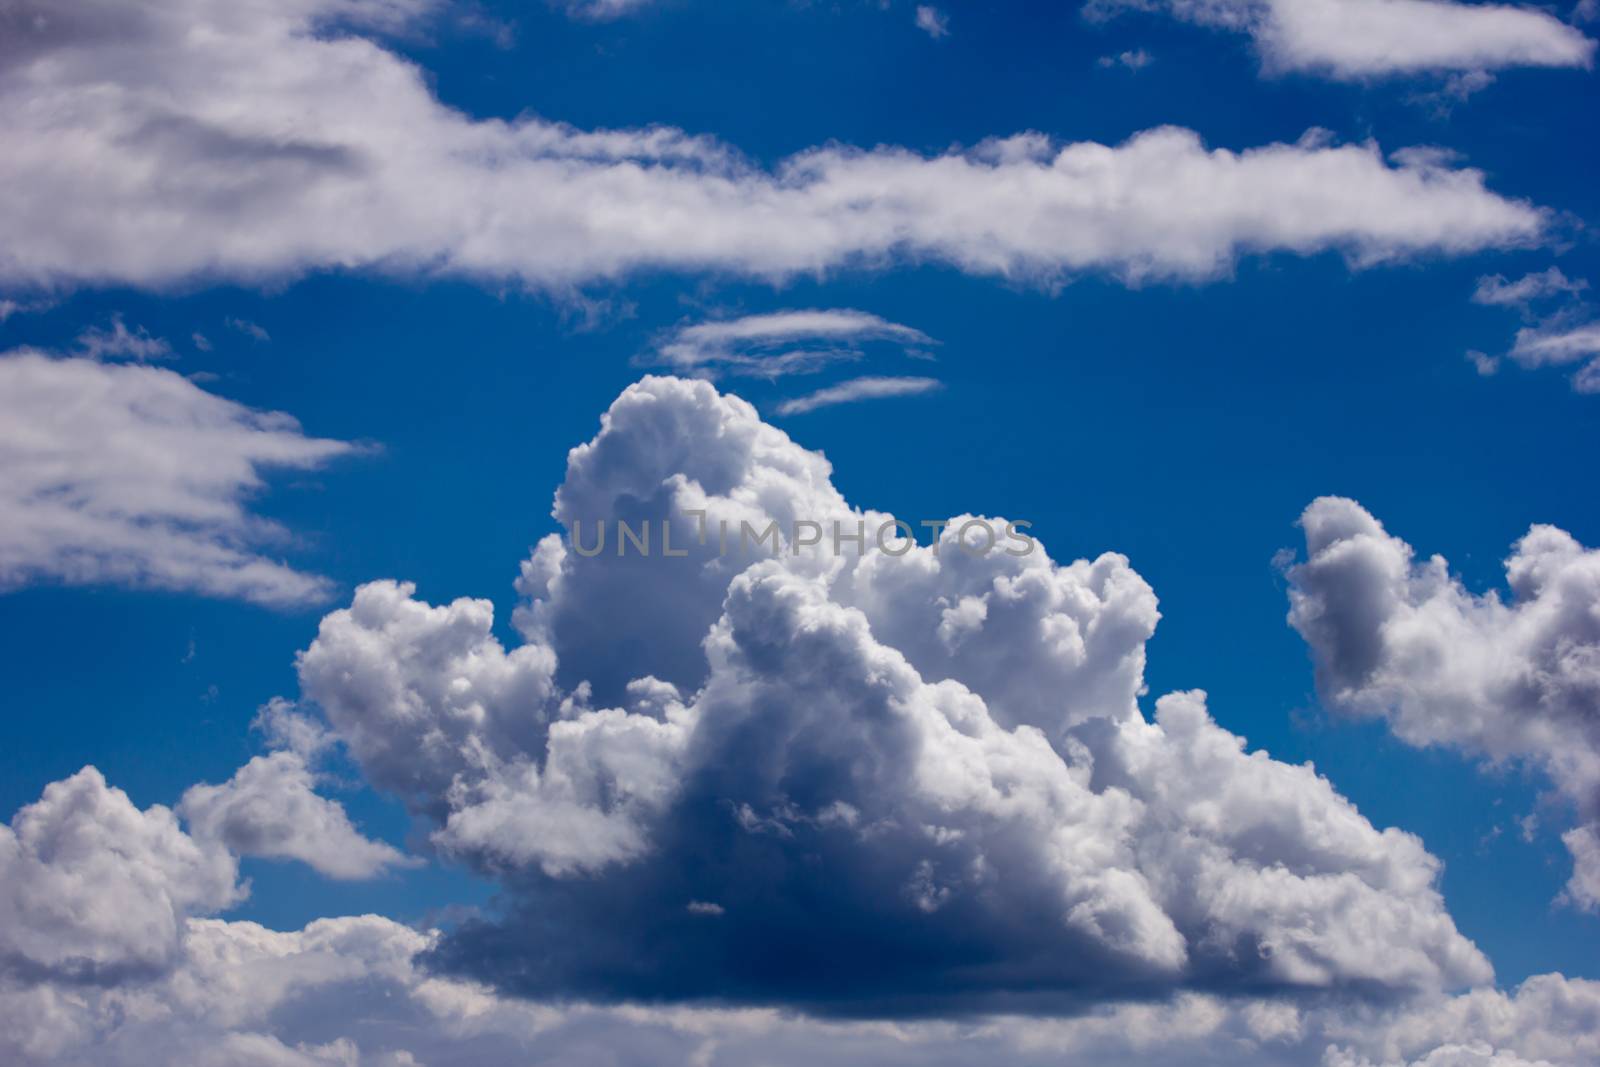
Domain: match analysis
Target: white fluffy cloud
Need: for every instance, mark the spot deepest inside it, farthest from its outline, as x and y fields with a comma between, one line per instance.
x=95, y=891
x=249, y=141
x=254, y=996
x=92, y=889
x=1352, y=39
x=1507, y=680
x=776, y=343
x=135, y=475
x=101, y=934
x=900, y=778
x=353, y=992
x=107, y=962
x=270, y=808
x=422, y=694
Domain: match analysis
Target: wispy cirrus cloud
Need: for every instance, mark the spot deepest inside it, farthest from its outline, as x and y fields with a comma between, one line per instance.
x=254, y=331
x=1560, y=343
x=931, y=21
x=1496, y=290
x=118, y=341
x=1560, y=336
x=603, y=9
x=858, y=389
x=776, y=343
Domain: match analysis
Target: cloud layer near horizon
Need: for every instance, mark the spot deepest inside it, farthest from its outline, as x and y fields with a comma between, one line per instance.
x=253, y=142
x=353, y=991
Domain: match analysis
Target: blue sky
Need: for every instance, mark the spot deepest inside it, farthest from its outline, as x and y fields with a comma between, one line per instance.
x=1184, y=422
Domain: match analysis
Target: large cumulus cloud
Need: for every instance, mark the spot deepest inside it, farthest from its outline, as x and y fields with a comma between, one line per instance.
x=1513, y=679
x=861, y=781
x=250, y=140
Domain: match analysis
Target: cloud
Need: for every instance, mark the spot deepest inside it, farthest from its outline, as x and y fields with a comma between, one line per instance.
x=247, y=144
x=908, y=780
x=1583, y=888
x=1554, y=345
x=1356, y=39
x=1547, y=1019
x=93, y=889
x=1568, y=334
x=118, y=342
x=1587, y=380
x=857, y=389
x=781, y=342
x=1496, y=291
x=356, y=990
x=9, y=308
x=107, y=956
x=1136, y=59
x=270, y=808
x=155, y=497
x=421, y=694
x=1506, y=680
x=239, y=995
x=933, y=22
x=249, y=329
x=1454, y=89
x=95, y=893
x=604, y=9
x=880, y=784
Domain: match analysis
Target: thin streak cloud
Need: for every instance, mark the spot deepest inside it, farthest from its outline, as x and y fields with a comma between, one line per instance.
x=858, y=389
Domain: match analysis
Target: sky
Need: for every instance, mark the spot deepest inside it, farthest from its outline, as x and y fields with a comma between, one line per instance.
x=323, y=325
